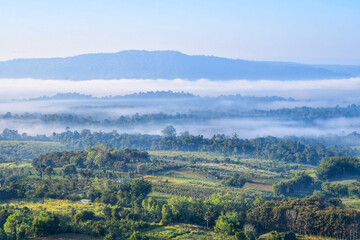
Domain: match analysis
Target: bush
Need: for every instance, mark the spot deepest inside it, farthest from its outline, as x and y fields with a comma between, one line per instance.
x=84, y=216
x=45, y=223
x=298, y=186
x=236, y=181
x=336, y=167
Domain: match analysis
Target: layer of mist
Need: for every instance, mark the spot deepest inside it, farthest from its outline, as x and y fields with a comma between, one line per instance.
x=322, y=90
x=217, y=106
x=244, y=128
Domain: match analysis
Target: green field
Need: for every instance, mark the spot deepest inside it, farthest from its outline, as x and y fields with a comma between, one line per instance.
x=182, y=232
x=198, y=167
x=68, y=236
x=260, y=169
x=63, y=207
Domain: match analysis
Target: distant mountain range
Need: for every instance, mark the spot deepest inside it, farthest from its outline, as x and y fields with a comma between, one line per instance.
x=159, y=95
x=135, y=64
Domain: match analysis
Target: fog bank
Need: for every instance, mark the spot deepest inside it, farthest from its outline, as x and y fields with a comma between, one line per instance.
x=244, y=128
x=316, y=89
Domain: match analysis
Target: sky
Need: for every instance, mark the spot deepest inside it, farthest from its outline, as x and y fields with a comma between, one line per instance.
x=307, y=31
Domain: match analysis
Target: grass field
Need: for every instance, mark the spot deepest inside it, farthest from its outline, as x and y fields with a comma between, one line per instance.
x=262, y=170
x=68, y=236
x=348, y=180
x=22, y=164
x=57, y=206
x=199, y=166
x=193, y=184
x=351, y=203
x=300, y=237
x=182, y=232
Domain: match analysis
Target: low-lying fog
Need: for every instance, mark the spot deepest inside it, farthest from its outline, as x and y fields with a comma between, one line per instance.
x=317, y=89
x=319, y=93
x=244, y=128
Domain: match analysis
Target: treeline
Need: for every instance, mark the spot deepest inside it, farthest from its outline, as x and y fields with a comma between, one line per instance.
x=161, y=94
x=265, y=148
x=338, y=167
x=309, y=216
x=19, y=150
x=14, y=135
x=99, y=157
x=139, y=95
x=333, y=168
x=306, y=114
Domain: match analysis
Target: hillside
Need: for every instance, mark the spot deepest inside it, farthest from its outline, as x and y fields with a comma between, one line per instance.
x=165, y=65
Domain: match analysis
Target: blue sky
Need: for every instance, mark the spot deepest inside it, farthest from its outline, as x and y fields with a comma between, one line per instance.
x=309, y=31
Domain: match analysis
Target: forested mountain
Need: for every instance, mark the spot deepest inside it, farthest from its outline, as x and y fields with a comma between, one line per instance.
x=164, y=65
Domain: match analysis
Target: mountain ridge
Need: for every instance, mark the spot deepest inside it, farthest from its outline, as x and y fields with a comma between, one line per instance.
x=142, y=64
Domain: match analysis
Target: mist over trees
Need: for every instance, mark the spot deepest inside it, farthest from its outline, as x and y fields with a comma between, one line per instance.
x=266, y=148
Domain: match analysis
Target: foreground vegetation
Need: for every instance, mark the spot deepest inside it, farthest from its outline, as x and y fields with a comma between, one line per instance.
x=216, y=192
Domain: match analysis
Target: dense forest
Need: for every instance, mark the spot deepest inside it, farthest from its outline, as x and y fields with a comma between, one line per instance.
x=266, y=148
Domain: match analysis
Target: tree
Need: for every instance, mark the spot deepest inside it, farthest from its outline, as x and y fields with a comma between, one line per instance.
x=169, y=131
x=338, y=167
x=258, y=201
x=49, y=171
x=222, y=226
x=166, y=215
x=107, y=212
x=2, y=234
x=101, y=156
x=137, y=236
x=274, y=235
x=45, y=223
x=290, y=236
x=240, y=236
x=84, y=216
x=236, y=181
x=12, y=224
x=209, y=213
x=141, y=168
x=110, y=236
x=40, y=169
x=69, y=170
x=139, y=189
x=250, y=235
x=229, y=223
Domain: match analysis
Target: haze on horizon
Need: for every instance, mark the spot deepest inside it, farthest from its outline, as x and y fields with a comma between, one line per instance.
x=307, y=31
x=312, y=32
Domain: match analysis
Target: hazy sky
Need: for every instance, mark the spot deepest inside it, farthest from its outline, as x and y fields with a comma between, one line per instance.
x=311, y=31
